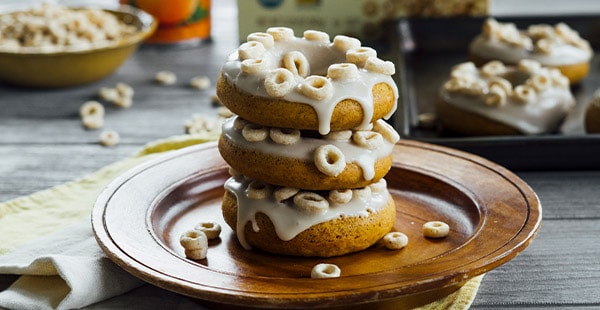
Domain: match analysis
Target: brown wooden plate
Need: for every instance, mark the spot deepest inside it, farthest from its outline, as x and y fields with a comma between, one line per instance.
x=492, y=213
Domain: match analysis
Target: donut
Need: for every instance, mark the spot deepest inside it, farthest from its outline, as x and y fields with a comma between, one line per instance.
x=556, y=46
x=309, y=83
x=495, y=99
x=592, y=114
x=289, y=157
x=322, y=227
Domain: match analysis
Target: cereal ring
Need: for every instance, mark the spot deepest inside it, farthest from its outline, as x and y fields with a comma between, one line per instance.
x=360, y=55
x=265, y=39
x=375, y=64
x=340, y=196
x=195, y=244
x=284, y=193
x=395, y=240
x=284, y=136
x=524, y=94
x=279, y=82
x=329, y=160
x=165, y=77
x=254, y=133
x=317, y=36
x=281, y=33
x=540, y=82
x=239, y=123
x=109, y=138
x=379, y=186
x=364, y=193
x=493, y=68
x=502, y=83
x=250, y=50
x=200, y=82
x=92, y=121
x=258, y=190
x=91, y=108
x=496, y=96
x=253, y=66
x=316, y=87
x=212, y=230
x=311, y=202
x=339, y=135
x=297, y=63
x=436, y=229
x=386, y=131
x=324, y=271
x=367, y=139
x=343, y=71
x=344, y=43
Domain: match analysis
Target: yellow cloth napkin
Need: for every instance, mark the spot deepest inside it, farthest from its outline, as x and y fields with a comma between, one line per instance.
x=65, y=209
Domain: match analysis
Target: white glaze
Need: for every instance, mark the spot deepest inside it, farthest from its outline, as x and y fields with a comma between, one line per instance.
x=561, y=55
x=504, y=42
x=304, y=148
x=290, y=221
x=542, y=115
x=320, y=54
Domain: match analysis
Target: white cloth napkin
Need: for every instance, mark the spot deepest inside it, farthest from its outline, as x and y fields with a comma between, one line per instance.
x=64, y=270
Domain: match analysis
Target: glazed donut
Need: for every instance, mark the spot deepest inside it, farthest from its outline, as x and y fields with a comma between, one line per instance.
x=592, y=114
x=556, y=46
x=341, y=159
x=279, y=80
x=307, y=223
x=504, y=100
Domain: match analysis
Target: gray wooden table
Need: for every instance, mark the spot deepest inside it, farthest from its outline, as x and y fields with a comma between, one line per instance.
x=43, y=144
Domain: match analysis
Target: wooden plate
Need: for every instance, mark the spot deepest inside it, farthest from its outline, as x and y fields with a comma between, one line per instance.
x=492, y=213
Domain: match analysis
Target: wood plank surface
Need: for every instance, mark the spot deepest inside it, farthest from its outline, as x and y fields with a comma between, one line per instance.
x=42, y=144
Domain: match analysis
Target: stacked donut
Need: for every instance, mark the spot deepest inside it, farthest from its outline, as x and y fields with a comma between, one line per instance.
x=308, y=148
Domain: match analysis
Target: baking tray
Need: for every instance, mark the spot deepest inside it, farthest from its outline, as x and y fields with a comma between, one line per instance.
x=426, y=49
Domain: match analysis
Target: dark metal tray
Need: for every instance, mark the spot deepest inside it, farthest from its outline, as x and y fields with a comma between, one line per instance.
x=428, y=48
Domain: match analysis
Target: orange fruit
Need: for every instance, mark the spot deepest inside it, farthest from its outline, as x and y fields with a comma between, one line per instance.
x=168, y=12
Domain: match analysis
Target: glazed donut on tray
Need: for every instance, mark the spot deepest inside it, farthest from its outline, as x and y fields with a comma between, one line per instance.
x=504, y=100
x=341, y=159
x=289, y=221
x=592, y=114
x=279, y=80
x=556, y=46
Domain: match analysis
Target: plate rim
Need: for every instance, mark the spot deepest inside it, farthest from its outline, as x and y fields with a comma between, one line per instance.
x=221, y=295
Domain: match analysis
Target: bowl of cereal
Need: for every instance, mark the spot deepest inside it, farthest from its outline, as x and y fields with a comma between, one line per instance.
x=52, y=45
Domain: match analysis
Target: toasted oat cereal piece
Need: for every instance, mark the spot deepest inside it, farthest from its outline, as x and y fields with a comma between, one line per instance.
x=91, y=108
x=212, y=230
x=195, y=244
x=109, y=138
x=165, y=78
x=123, y=102
x=323, y=270
x=92, y=121
x=311, y=202
x=330, y=160
x=124, y=90
x=200, y=82
x=395, y=240
x=224, y=112
x=109, y=94
x=436, y=229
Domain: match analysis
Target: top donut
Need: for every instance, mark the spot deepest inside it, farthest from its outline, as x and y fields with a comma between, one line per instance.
x=312, y=83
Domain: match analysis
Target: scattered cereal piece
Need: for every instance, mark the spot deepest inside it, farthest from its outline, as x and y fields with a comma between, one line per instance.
x=91, y=108
x=165, y=78
x=92, y=121
x=124, y=90
x=108, y=93
x=123, y=102
x=395, y=240
x=224, y=112
x=109, y=138
x=195, y=244
x=323, y=270
x=200, y=124
x=435, y=229
x=210, y=229
x=200, y=82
